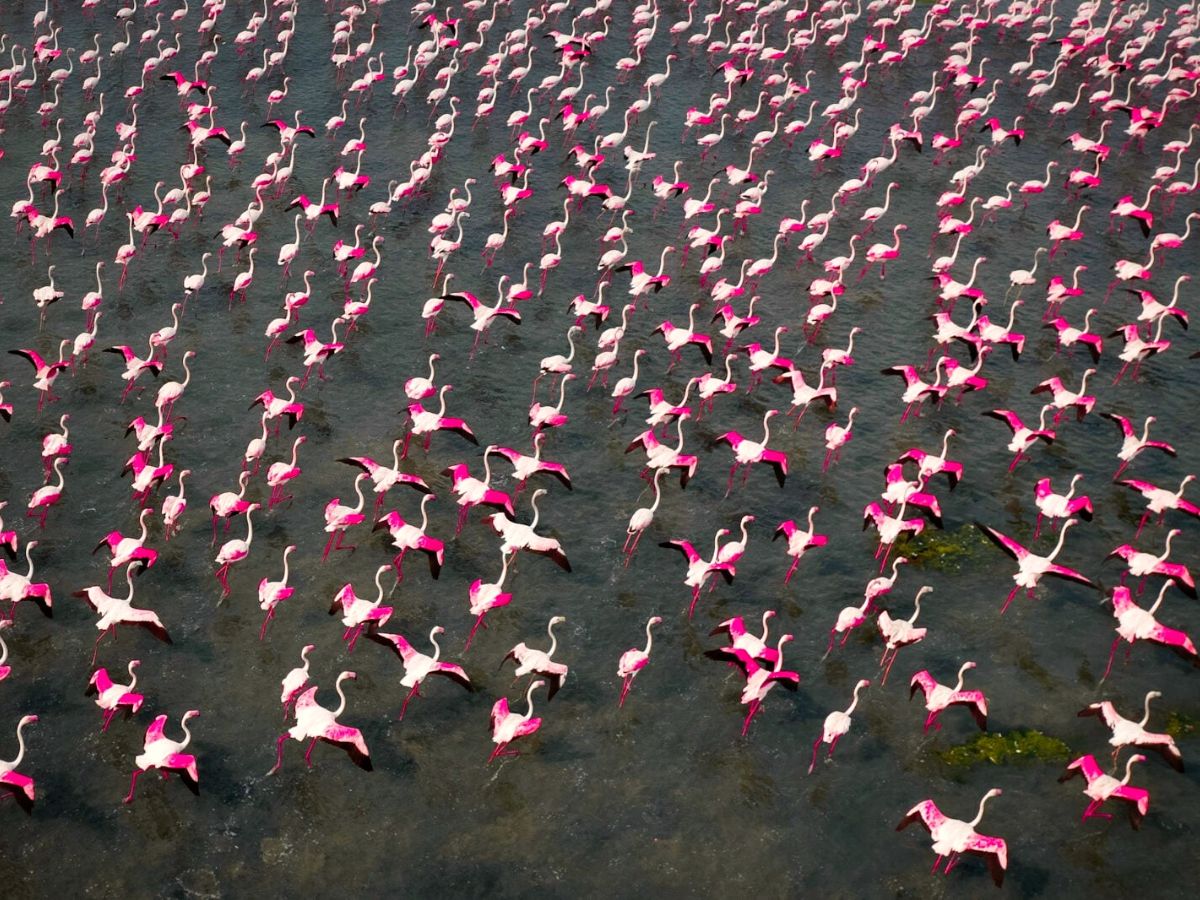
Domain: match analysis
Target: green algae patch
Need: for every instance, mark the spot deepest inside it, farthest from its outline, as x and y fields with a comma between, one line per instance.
x=1005, y=747
x=945, y=551
x=1179, y=725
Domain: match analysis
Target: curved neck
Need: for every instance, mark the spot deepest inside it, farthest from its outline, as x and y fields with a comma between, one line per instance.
x=1146, y=710
x=553, y=639
x=961, y=672
x=341, y=694
x=529, y=700
x=649, y=637
x=979, y=815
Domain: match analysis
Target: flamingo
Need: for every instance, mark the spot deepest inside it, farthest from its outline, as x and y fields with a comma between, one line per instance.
x=799, y=541
x=539, y=662
x=162, y=753
x=700, y=568
x=1031, y=566
x=1158, y=499
x=21, y=786
x=1131, y=444
x=836, y=437
x=316, y=722
x=1128, y=733
x=110, y=697
x=525, y=466
x=952, y=837
x=1142, y=564
x=760, y=680
x=472, y=492
x=234, y=551
x=359, y=614
x=508, y=726
x=741, y=639
x=486, y=597
x=272, y=593
x=1102, y=786
x=837, y=724
x=899, y=633
x=641, y=519
x=418, y=666
x=1059, y=506
x=279, y=473
x=295, y=681
x=338, y=518
x=516, y=536
x=384, y=478
x=1023, y=437
x=49, y=495
x=1137, y=624
x=423, y=422
x=747, y=452
x=406, y=536
x=634, y=660
x=939, y=697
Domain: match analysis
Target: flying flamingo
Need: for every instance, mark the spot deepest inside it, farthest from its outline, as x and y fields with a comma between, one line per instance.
x=126, y=550
x=418, y=666
x=116, y=611
x=1023, y=437
x=747, y=452
x=21, y=786
x=1137, y=624
x=316, y=722
x=272, y=593
x=799, y=540
x=1101, y=786
x=15, y=587
x=383, y=477
x=339, y=517
x=110, y=697
x=406, y=536
x=162, y=753
x=700, y=568
x=1128, y=733
x=508, y=726
x=939, y=697
x=899, y=633
x=837, y=723
x=1142, y=564
x=760, y=680
x=634, y=660
x=660, y=456
x=472, y=492
x=486, y=597
x=423, y=422
x=1132, y=444
x=516, y=536
x=234, y=551
x=539, y=662
x=952, y=837
x=357, y=613
x=1158, y=500
x=740, y=639
x=1031, y=566
x=1059, y=506
x=525, y=466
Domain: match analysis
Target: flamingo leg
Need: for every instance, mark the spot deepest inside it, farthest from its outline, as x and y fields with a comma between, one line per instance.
x=415, y=692
x=308, y=753
x=132, y=785
x=625, y=690
x=1011, y=595
x=812, y=765
x=755, y=705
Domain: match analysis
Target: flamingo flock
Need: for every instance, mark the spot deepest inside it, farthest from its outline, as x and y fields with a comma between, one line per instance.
x=576, y=251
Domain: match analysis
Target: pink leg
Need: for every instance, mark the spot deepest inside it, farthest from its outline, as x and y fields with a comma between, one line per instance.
x=625, y=690
x=812, y=765
x=1111, y=654
x=132, y=785
x=308, y=753
x=1011, y=594
x=416, y=689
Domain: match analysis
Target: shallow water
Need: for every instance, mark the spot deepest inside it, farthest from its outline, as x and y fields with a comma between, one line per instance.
x=662, y=795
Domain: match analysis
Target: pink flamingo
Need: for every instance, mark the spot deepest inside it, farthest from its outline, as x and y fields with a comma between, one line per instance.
x=747, y=452
x=126, y=550
x=836, y=437
x=357, y=613
x=899, y=633
x=116, y=611
x=799, y=540
x=1141, y=564
x=525, y=466
x=634, y=660
x=45, y=372
x=1030, y=566
x=1132, y=444
x=316, y=722
x=15, y=587
x=423, y=422
x=406, y=536
x=1137, y=624
x=111, y=697
x=1101, y=786
x=539, y=662
x=760, y=680
x=228, y=504
x=641, y=519
x=837, y=724
x=1059, y=506
x=1158, y=500
x=1064, y=397
x=891, y=527
x=339, y=517
x=1023, y=437
x=173, y=508
x=939, y=697
x=419, y=666
x=952, y=837
x=700, y=568
x=234, y=551
x=47, y=496
x=162, y=753
x=279, y=473
x=508, y=726
x=272, y=593
x=21, y=786
x=881, y=253
x=486, y=597
x=472, y=492
x=1128, y=733
x=384, y=478
x=295, y=681
x=660, y=456
x=741, y=639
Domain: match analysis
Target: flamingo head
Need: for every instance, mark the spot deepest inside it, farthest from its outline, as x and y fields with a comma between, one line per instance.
x=190, y=714
x=27, y=720
x=557, y=619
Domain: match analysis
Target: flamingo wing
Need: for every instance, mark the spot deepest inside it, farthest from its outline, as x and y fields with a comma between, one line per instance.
x=684, y=547
x=994, y=852
x=925, y=812
x=1071, y=574
x=454, y=673
x=397, y=642
x=1004, y=542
